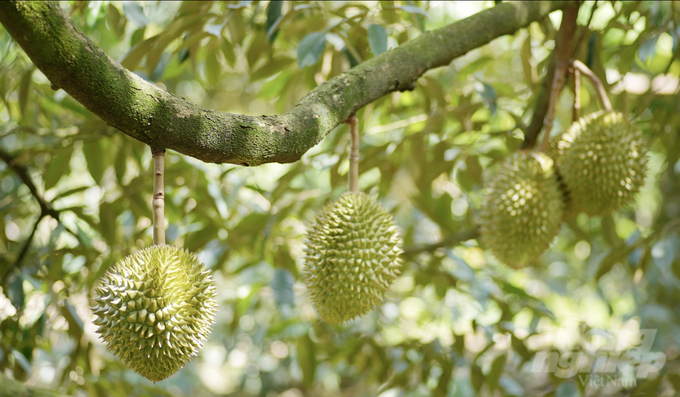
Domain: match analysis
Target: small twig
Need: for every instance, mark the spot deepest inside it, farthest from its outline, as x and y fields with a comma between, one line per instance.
x=446, y=242
x=158, y=203
x=558, y=81
x=24, y=249
x=22, y=172
x=595, y=81
x=353, y=122
x=577, y=94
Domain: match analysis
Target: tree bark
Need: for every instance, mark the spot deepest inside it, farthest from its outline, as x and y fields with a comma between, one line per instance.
x=13, y=388
x=122, y=99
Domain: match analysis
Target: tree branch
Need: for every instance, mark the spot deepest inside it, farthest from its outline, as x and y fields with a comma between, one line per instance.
x=145, y=112
x=24, y=249
x=45, y=208
x=564, y=45
x=595, y=81
x=446, y=242
x=22, y=172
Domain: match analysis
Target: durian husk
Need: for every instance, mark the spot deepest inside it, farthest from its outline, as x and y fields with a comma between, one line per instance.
x=522, y=209
x=155, y=308
x=351, y=257
x=602, y=160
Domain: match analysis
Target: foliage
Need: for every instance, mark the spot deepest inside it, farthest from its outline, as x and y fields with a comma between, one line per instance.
x=456, y=321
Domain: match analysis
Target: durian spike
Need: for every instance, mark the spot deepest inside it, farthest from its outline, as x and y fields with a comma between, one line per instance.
x=595, y=81
x=353, y=122
x=158, y=203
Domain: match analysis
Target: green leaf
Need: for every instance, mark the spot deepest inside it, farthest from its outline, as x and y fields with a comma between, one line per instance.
x=107, y=221
x=273, y=18
x=489, y=96
x=414, y=10
x=116, y=21
x=476, y=377
x=674, y=379
x=611, y=257
x=377, y=39
x=134, y=13
x=282, y=285
x=609, y=231
x=228, y=51
x=307, y=359
x=567, y=389
x=24, y=90
x=135, y=56
x=473, y=168
x=23, y=362
x=521, y=349
x=75, y=323
x=83, y=237
x=94, y=154
x=647, y=49
x=70, y=192
x=240, y=4
x=310, y=49
x=257, y=48
x=58, y=167
x=271, y=68
x=495, y=372
x=213, y=69
x=16, y=292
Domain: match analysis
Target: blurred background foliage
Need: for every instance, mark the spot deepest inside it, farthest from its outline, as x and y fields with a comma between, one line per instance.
x=456, y=323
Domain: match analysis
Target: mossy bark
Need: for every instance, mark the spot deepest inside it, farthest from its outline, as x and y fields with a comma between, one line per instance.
x=145, y=112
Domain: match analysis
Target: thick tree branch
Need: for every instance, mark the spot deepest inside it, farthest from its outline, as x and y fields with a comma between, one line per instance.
x=564, y=45
x=145, y=112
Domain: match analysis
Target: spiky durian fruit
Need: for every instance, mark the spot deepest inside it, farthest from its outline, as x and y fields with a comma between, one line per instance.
x=522, y=209
x=602, y=160
x=155, y=309
x=351, y=257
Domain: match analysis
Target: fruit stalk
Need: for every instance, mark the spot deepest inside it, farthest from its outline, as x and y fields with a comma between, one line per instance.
x=558, y=81
x=577, y=95
x=595, y=81
x=158, y=203
x=353, y=122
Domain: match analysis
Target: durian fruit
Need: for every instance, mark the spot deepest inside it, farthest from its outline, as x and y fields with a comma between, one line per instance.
x=155, y=308
x=522, y=209
x=602, y=160
x=351, y=257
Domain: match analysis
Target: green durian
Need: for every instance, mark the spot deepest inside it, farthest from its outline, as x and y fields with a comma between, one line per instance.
x=602, y=160
x=522, y=209
x=351, y=257
x=155, y=308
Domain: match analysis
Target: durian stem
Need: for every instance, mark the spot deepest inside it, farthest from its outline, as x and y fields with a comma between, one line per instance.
x=158, y=203
x=577, y=95
x=595, y=81
x=558, y=81
x=353, y=122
